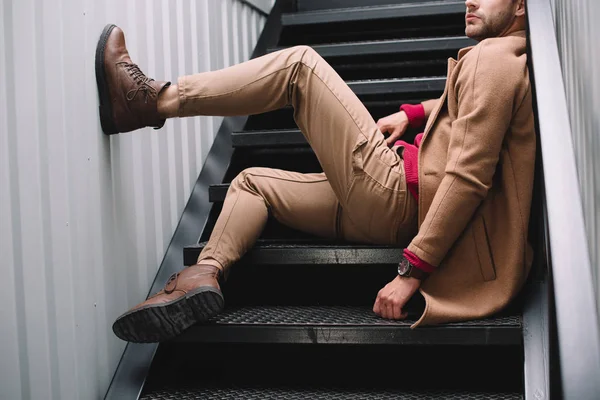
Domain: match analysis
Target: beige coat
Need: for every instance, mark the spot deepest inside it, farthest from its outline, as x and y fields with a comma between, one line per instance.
x=476, y=166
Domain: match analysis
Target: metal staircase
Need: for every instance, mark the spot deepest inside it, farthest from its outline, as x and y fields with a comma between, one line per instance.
x=298, y=322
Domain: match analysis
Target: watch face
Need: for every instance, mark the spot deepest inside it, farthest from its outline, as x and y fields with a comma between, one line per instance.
x=403, y=267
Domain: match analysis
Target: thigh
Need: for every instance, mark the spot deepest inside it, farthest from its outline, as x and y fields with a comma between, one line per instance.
x=305, y=202
x=379, y=208
x=339, y=128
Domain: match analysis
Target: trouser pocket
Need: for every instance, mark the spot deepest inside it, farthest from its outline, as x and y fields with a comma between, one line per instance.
x=376, y=200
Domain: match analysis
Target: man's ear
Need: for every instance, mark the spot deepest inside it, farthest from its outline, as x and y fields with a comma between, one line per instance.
x=520, y=8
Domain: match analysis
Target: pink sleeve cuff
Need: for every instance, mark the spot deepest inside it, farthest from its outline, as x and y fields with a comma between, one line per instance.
x=415, y=114
x=417, y=262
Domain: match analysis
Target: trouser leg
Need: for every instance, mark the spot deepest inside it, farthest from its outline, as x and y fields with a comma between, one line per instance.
x=331, y=117
x=366, y=177
x=305, y=202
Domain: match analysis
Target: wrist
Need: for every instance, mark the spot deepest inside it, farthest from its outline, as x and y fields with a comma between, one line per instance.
x=411, y=281
x=417, y=261
x=415, y=114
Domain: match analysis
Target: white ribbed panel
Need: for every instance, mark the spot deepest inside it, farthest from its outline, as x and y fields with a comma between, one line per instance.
x=85, y=219
x=578, y=31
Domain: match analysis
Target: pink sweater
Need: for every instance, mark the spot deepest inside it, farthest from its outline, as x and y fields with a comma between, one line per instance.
x=416, y=119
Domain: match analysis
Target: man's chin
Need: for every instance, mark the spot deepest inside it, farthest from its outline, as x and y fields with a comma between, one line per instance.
x=473, y=33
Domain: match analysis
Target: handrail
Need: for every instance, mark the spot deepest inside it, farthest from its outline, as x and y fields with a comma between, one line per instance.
x=576, y=314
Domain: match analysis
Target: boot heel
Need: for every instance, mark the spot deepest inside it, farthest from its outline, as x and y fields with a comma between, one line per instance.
x=106, y=121
x=206, y=304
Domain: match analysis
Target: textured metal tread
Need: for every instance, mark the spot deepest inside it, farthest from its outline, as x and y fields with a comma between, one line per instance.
x=257, y=392
x=332, y=315
x=372, y=13
x=390, y=46
x=315, y=252
x=345, y=325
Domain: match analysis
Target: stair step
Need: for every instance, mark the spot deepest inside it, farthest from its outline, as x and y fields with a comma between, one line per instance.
x=395, y=47
x=372, y=13
x=262, y=371
x=344, y=325
x=311, y=5
x=229, y=390
x=406, y=85
x=217, y=193
x=377, y=105
x=313, y=252
x=268, y=138
x=380, y=96
x=274, y=139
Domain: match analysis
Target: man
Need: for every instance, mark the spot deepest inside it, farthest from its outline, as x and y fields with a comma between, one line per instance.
x=458, y=198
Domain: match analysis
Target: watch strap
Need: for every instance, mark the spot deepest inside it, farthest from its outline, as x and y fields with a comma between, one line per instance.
x=418, y=273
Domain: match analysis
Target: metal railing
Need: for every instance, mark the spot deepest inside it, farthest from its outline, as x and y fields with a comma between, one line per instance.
x=576, y=315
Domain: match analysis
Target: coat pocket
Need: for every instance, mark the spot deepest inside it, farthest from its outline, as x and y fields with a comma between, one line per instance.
x=484, y=250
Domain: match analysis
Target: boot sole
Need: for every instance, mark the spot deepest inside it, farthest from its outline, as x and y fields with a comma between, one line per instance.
x=105, y=107
x=161, y=322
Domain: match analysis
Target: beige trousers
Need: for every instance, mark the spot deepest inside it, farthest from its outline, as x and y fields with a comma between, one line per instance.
x=361, y=196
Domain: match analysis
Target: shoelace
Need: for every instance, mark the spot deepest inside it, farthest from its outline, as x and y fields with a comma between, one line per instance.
x=141, y=79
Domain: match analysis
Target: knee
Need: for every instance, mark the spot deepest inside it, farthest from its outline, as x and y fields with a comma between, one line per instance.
x=244, y=178
x=307, y=54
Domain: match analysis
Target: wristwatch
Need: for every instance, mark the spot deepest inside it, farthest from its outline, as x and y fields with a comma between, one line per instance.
x=407, y=269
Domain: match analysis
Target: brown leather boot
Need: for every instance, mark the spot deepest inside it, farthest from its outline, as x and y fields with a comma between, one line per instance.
x=128, y=98
x=189, y=297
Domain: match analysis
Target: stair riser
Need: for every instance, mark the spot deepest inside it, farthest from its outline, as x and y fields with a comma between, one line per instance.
x=313, y=5
x=420, y=27
x=378, y=105
x=396, y=367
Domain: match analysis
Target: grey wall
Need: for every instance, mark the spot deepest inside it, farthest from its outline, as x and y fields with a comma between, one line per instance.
x=578, y=31
x=84, y=218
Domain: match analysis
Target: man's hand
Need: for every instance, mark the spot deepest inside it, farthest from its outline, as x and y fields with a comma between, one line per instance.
x=393, y=297
x=395, y=125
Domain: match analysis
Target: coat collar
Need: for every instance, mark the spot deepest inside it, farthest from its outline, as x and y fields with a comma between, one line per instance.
x=462, y=52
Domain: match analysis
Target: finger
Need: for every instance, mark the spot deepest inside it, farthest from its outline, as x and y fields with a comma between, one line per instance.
x=377, y=306
x=390, y=141
x=382, y=307
x=395, y=135
x=397, y=310
x=403, y=315
x=389, y=308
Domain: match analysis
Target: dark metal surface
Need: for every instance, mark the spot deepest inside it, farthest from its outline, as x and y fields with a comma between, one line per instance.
x=131, y=372
x=304, y=319
x=373, y=13
x=268, y=253
x=390, y=46
x=576, y=312
x=388, y=86
x=311, y=5
x=344, y=325
x=217, y=193
x=228, y=391
x=270, y=138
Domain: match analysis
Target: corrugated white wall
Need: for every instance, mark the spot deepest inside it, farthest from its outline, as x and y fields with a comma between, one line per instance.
x=84, y=218
x=578, y=31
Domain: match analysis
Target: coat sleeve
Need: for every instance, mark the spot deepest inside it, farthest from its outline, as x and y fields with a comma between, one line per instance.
x=486, y=91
